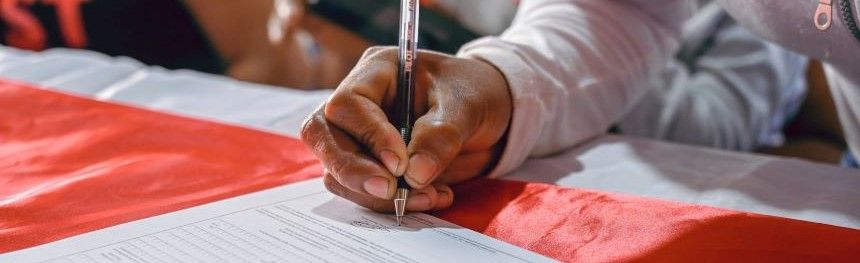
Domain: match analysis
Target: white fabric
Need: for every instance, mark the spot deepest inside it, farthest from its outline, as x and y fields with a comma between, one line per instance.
x=572, y=66
x=789, y=24
x=726, y=88
x=485, y=17
x=201, y=95
x=774, y=186
x=845, y=88
x=575, y=67
x=743, y=182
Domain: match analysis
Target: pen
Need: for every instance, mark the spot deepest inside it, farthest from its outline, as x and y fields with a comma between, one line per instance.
x=406, y=58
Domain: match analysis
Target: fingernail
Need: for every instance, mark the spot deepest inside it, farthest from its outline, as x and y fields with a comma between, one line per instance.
x=421, y=168
x=390, y=160
x=445, y=197
x=377, y=186
x=418, y=202
x=442, y=195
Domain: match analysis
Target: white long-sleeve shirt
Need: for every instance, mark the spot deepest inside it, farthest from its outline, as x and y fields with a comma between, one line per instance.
x=575, y=66
x=726, y=88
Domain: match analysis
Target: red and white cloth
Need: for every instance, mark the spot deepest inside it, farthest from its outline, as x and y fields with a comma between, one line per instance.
x=71, y=165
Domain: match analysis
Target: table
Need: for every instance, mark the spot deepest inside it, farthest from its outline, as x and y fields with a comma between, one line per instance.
x=782, y=187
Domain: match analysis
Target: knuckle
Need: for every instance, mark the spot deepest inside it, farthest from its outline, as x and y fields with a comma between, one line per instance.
x=311, y=127
x=332, y=185
x=379, y=51
x=372, y=51
x=339, y=168
x=343, y=113
x=371, y=135
x=337, y=105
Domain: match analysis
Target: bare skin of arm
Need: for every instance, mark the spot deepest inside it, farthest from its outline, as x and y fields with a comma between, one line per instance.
x=242, y=32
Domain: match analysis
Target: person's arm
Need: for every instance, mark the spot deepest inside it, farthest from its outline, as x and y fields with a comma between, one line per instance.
x=566, y=70
x=259, y=46
x=575, y=67
x=736, y=92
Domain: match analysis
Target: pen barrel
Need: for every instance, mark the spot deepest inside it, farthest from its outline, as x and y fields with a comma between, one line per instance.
x=407, y=58
x=401, y=183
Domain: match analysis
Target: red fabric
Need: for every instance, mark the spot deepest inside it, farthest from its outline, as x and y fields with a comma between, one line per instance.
x=577, y=225
x=70, y=165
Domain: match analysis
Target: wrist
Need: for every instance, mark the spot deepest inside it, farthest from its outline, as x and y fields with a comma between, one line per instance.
x=526, y=122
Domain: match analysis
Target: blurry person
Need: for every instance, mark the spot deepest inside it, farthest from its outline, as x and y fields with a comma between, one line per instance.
x=280, y=42
x=322, y=25
x=725, y=88
x=213, y=36
x=331, y=35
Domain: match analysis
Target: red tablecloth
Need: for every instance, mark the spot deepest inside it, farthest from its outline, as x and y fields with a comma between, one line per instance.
x=69, y=165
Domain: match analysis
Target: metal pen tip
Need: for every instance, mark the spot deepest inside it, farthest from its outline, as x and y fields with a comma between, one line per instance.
x=400, y=204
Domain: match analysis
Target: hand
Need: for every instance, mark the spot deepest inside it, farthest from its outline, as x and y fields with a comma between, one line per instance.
x=463, y=107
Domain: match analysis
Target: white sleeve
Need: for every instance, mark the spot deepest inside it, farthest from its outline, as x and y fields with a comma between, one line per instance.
x=575, y=66
x=735, y=92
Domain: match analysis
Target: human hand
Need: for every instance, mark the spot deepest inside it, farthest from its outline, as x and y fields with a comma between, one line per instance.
x=462, y=107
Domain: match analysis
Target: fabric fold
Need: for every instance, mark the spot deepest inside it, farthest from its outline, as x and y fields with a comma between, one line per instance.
x=70, y=165
x=578, y=225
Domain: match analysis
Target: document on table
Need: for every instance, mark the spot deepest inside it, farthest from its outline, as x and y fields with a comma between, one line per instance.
x=301, y=222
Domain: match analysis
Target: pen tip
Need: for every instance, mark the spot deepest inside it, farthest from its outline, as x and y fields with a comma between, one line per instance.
x=400, y=203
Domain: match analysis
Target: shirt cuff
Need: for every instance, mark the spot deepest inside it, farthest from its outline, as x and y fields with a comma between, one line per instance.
x=526, y=121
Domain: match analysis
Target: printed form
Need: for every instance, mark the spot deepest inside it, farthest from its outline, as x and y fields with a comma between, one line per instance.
x=300, y=222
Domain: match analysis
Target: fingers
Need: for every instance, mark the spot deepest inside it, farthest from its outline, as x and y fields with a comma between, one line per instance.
x=365, y=121
x=352, y=124
x=464, y=108
x=434, y=144
x=436, y=197
x=469, y=110
x=345, y=160
x=444, y=197
x=357, y=109
x=437, y=139
x=368, y=201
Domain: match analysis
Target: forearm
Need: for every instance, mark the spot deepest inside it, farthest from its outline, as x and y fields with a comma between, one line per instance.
x=574, y=67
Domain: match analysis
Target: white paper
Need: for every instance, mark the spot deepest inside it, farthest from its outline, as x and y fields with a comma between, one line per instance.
x=296, y=223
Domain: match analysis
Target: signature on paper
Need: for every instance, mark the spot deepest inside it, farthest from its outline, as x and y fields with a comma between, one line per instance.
x=369, y=224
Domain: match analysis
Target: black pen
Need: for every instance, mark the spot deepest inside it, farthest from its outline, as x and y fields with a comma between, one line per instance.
x=407, y=56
